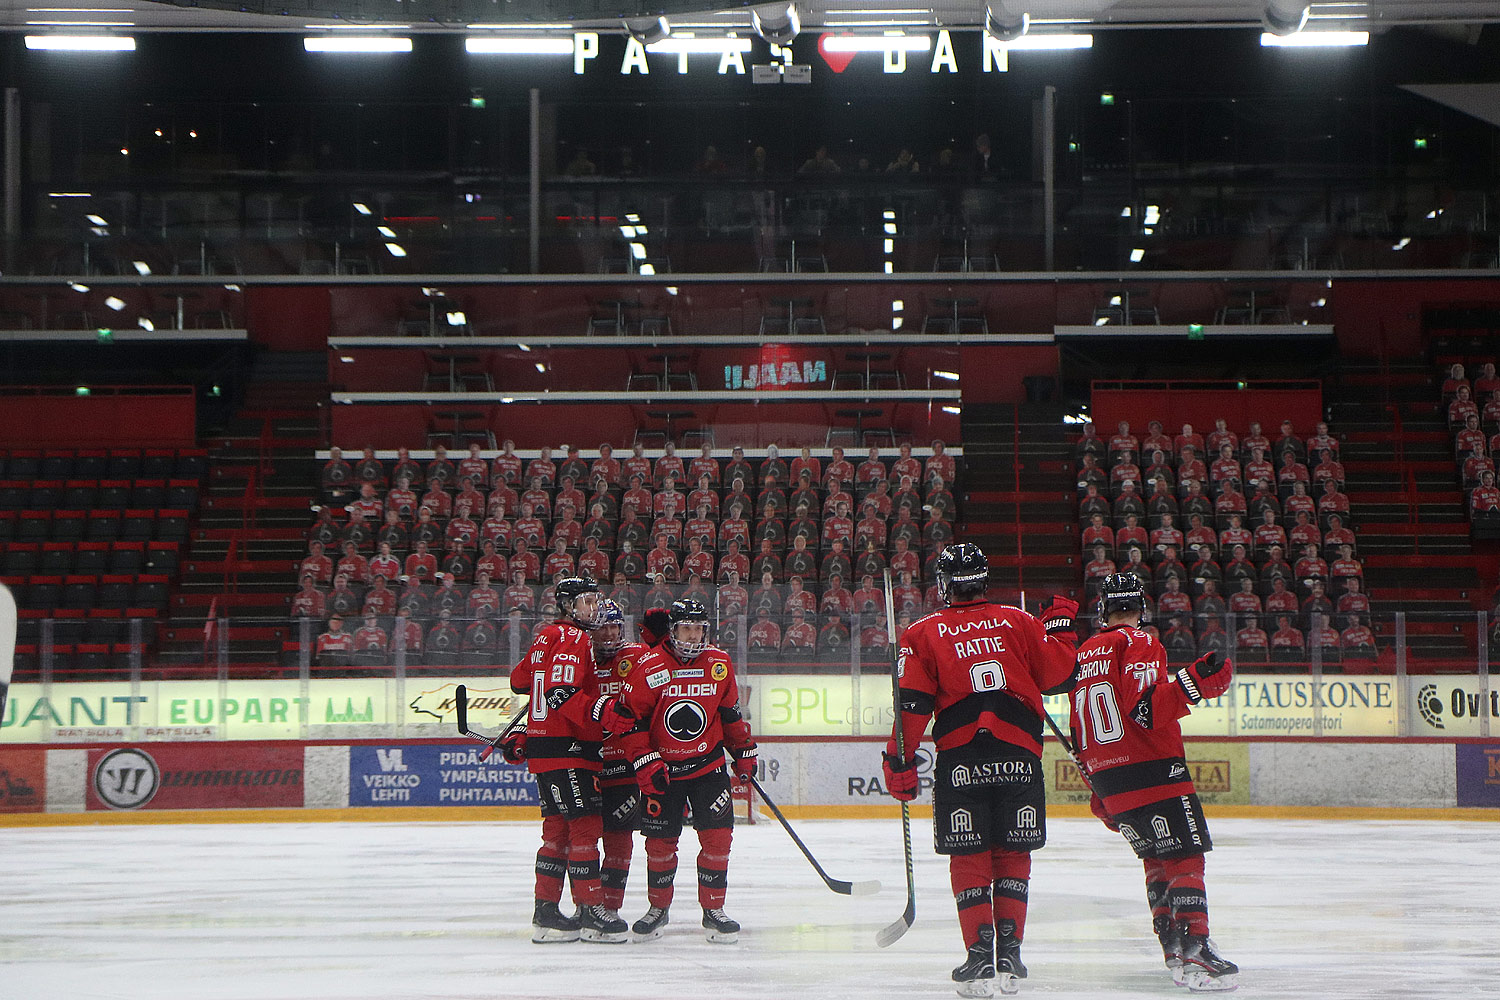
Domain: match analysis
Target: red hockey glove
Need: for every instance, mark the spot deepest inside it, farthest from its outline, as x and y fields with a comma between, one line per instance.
x=513, y=746
x=745, y=762
x=1096, y=806
x=654, y=627
x=1206, y=677
x=1058, y=613
x=900, y=775
x=613, y=717
x=651, y=773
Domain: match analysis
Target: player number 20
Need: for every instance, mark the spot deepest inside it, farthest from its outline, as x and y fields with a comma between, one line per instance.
x=987, y=676
x=1102, y=715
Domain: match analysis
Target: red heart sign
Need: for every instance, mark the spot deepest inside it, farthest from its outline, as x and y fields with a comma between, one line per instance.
x=836, y=60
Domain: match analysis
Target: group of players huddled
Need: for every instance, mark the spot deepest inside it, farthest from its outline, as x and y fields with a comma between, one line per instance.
x=624, y=735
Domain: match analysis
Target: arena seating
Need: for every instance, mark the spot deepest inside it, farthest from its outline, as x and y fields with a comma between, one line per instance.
x=772, y=542
x=1250, y=552
x=89, y=540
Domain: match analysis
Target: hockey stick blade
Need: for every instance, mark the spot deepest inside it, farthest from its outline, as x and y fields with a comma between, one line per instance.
x=869, y=887
x=461, y=709
x=893, y=933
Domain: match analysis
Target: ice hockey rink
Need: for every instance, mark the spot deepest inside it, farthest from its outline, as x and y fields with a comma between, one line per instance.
x=314, y=911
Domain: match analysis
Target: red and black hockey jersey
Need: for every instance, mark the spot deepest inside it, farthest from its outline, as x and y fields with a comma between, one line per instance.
x=685, y=709
x=978, y=667
x=558, y=670
x=1125, y=707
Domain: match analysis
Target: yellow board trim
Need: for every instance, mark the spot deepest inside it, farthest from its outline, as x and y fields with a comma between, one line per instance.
x=491, y=814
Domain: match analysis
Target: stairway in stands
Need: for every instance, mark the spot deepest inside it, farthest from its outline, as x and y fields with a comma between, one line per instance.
x=1411, y=521
x=1019, y=503
x=251, y=527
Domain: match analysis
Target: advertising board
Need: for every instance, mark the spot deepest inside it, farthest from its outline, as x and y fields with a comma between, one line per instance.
x=194, y=776
x=424, y=775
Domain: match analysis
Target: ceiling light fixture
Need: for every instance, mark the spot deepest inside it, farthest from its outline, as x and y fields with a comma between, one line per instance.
x=81, y=43
x=519, y=46
x=362, y=44
x=1316, y=40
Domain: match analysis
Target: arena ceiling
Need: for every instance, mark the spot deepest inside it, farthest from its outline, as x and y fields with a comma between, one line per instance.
x=1456, y=17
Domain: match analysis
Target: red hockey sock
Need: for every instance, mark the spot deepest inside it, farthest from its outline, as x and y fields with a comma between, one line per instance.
x=1156, y=890
x=618, y=846
x=661, y=869
x=552, y=859
x=1185, y=893
x=583, y=858
x=970, y=875
x=1012, y=882
x=713, y=867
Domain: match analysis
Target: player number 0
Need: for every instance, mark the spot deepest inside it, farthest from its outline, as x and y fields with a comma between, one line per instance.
x=987, y=676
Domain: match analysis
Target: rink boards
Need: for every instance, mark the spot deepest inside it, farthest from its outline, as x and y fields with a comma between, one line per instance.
x=807, y=778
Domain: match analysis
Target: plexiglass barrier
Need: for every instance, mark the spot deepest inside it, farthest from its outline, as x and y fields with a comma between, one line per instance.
x=814, y=672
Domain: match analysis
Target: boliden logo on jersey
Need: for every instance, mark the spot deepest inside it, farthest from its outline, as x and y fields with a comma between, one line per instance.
x=995, y=772
x=657, y=678
x=685, y=720
x=720, y=670
x=691, y=691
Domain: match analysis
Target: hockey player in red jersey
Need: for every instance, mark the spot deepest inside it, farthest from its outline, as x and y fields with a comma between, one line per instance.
x=562, y=748
x=614, y=658
x=684, y=694
x=981, y=668
x=1126, y=702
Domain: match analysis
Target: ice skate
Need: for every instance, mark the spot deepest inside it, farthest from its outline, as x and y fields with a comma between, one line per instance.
x=602, y=925
x=976, y=977
x=1204, y=970
x=721, y=930
x=652, y=926
x=1008, y=968
x=1170, y=936
x=550, y=926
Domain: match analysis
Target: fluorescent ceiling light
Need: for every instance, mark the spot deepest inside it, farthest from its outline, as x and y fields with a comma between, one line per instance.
x=878, y=43
x=714, y=46
x=884, y=11
x=79, y=10
x=69, y=194
x=647, y=269
x=950, y=376
x=1049, y=43
x=720, y=25
x=356, y=27
x=638, y=251
x=141, y=267
x=365, y=43
x=386, y=231
x=1137, y=255
x=361, y=208
x=884, y=23
x=519, y=46
x=81, y=43
x=78, y=287
x=555, y=26
x=1315, y=39
x=115, y=302
x=396, y=249
x=96, y=220
x=951, y=409
x=145, y=324
x=82, y=24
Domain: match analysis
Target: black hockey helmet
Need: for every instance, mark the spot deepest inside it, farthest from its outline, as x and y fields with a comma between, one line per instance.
x=962, y=573
x=1121, y=592
x=567, y=593
x=688, y=612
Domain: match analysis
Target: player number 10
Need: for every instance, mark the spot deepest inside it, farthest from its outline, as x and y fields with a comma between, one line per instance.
x=1102, y=716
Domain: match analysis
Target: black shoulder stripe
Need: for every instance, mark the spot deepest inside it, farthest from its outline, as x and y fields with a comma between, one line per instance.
x=558, y=696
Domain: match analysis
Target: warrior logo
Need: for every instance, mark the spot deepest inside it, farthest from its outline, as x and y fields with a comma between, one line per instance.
x=1026, y=818
x=1160, y=827
x=126, y=778
x=685, y=720
x=961, y=821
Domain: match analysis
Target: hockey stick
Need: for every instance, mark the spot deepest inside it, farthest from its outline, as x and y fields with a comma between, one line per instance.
x=891, y=934
x=461, y=708
x=867, y=888
x=7, y=642
x=1067, y=746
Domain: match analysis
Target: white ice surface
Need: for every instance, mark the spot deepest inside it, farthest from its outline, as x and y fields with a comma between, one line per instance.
x=365, y=911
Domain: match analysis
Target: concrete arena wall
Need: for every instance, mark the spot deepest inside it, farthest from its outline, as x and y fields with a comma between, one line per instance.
x=439, y=779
